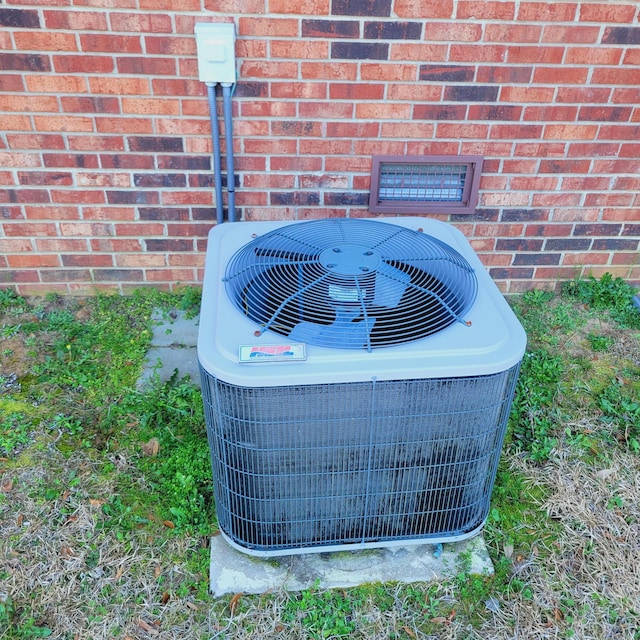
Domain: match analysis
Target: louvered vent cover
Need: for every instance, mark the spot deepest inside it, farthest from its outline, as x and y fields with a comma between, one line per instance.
x=350, y=284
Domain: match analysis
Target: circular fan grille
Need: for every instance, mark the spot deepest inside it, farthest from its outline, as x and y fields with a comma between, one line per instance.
x=350, y=284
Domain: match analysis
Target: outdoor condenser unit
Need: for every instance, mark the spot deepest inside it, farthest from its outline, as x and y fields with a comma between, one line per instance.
x=357, y=377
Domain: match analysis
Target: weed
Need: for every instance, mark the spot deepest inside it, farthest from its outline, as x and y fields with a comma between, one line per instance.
x=613, y=295
x=533, y=420
x=15, y=432
x=322, y=614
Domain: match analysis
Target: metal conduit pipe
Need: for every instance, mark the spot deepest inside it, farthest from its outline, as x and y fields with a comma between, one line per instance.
x=215, y=138
x=228, y=132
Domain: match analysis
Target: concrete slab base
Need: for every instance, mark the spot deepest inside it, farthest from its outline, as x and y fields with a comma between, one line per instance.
x=234, y=572
x=173, y=346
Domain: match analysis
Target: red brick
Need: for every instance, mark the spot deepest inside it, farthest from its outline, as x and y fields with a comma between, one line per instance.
x=430, y=10
x=583, y=95
x=76, y=20
x=485, y=10
x=111, y=43
x=96, y=143
x=109, y=213
x=576, y=215
x=45, y=177
x=124, y=125
x=485, y=148
x=609, y=76
x=77, y=196
x=70, y=160
x=26, y=261
x=353, y=130
x=305, y=50
x=564, y=166
x=605, y=12
x=356, y=91
x=547, y=11
x=63, y=123
x=12, y=82
x=296, y=163
x=174, y=46
x=418, y=92
x=513, y=33
x=161, y=66
x=516, y=131
x=592, y=149
x=585, y=183
x=534, y=183
x=570, y=132
x=527, y=94
x=329, y=147
x=391, y=72
x=551, y=113
x=273, y=27
x=632, y=57
x=116, y=245
x=83, y=64
x=139, y=230
x=608, y=199
x=269, y=69
x=87, y=260
x=7, y=178
x=28, y=104
x=56, y=84
x=119, y=85
x=61, y=244
x=173, y=88
x=535, y=55
x=499, y=230
x=478, y=53
x=556, y=200
x=517, y=166
x=107, y=4
x=574, y=34
x=169, y=275
x=30, y=229
x=333, y=110
x=15, y=123
x=626, y=96
x=420, y=52
x=140, y=23
x=302, y=90
x=45, y=41
x=383, y=110
x=453, y=31
x=52, y=212
x=89, y=104
x=560, y=75
x=140, y=260
x=593, y=55
x=102, y=179
x=406, y=130
x=15, y=160
x=379, y=147
x=176, y=5
x=461, y=130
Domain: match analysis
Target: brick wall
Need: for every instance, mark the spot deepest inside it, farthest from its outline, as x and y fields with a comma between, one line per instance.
x=105, y=170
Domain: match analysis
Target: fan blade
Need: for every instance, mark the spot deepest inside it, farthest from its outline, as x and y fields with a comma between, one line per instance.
x=391, y=283
x=343, y=331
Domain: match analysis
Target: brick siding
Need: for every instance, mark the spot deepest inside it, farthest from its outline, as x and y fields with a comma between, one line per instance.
x=105, y=168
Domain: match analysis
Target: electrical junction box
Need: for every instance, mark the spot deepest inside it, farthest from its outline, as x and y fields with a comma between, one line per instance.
x=215, y=44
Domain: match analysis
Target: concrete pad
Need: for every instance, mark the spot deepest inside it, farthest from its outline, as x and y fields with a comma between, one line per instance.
x=173, y=346
x=234, y=572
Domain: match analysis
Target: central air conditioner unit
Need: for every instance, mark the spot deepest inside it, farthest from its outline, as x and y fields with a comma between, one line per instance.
x=357, y=378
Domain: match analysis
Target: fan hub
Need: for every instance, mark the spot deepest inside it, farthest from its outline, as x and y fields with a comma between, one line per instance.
x=347, y=259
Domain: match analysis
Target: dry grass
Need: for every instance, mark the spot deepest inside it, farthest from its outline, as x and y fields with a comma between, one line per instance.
x=67, y=567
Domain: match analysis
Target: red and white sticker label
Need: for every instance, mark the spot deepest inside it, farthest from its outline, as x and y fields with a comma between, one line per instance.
x=266, y=353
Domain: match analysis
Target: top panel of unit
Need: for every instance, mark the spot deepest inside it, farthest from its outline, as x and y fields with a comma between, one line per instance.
x=350, y=283
x=338, y=290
